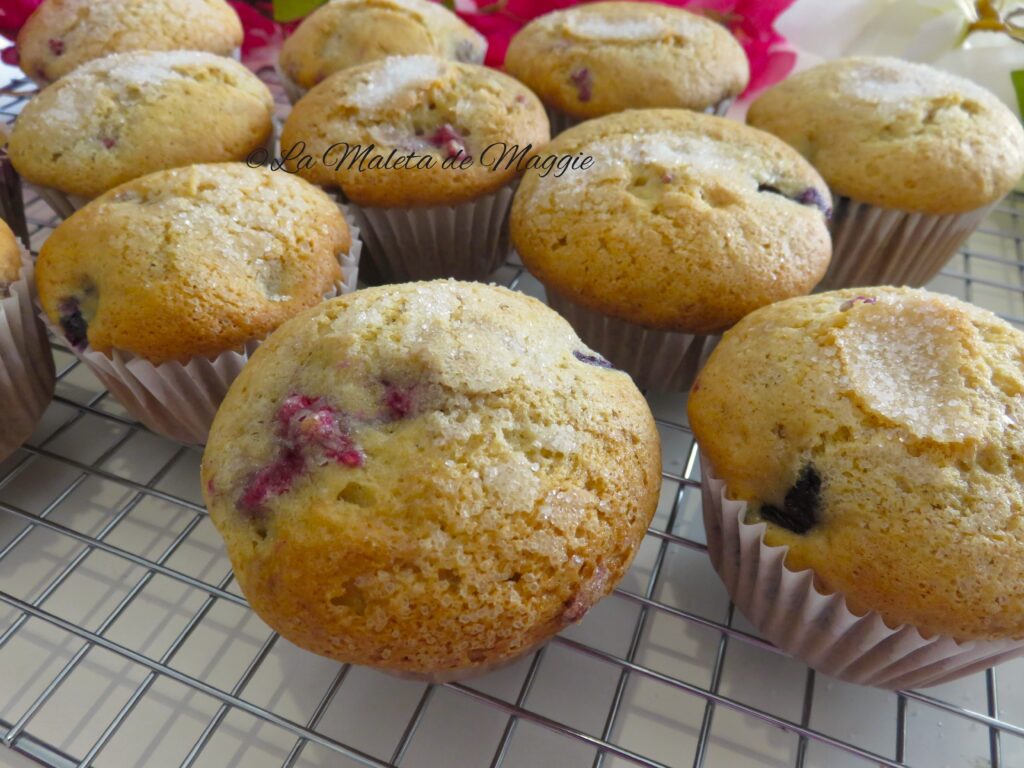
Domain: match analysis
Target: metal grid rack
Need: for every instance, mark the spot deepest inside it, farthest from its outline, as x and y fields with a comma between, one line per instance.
x=124, y=640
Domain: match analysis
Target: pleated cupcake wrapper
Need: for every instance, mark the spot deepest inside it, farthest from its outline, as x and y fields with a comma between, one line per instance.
x=179, y=400
x=64, y=204
x=292, y=90
x=26, y=364
x=561, y=121
x=881, y=246
x=467, y=241
x=662, y=361
x=819, y=629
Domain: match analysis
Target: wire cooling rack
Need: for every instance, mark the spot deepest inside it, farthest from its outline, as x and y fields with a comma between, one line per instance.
x=124, y=640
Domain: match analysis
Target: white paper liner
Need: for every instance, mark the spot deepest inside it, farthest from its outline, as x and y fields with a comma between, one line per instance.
x=560, y=121
x=881, y=246
x=292, y=90
x=179, y=400
x=468, y=241
x=660, y=361
x=820, y=629
x=26, y=364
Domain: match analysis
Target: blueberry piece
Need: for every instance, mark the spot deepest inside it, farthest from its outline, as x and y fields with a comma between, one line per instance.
x=76, y=329
x=448, y=139
x=56, y=46
x=584, y=83
x=597, y=360
x=800, y=508
x=812, y=196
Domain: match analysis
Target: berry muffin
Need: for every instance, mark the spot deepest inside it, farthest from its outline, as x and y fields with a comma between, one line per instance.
x=129, y=114
x=875, y=436
x=423, y=148
x=429, y=478
x=600, y=58
x=914, y=156
x=162, y=284
x=683, y=224
x=64, y=34
x=26, y=365
x=347, y=33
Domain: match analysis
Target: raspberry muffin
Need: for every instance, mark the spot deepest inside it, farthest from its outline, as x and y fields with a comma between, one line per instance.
x=429, y=478
x=164, y=283
x=439, y=206
x=347, y=33
x=26, y=365
x=683, y=224
x=914, y=156
x=64, y=34
x=129, y=114
x=600, y=58
x=874, y=438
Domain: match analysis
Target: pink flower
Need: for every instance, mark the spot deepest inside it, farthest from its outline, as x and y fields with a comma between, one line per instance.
x=13, y=15
x=263, y=35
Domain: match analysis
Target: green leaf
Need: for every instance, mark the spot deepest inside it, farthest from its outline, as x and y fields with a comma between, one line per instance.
x=290, y=10
x=1017, y=76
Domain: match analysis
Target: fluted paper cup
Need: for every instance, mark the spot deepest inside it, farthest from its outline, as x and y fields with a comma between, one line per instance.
x=661, y=361
x=819, y=629
x=468, y=241
x=881, y=246
x=26, y=364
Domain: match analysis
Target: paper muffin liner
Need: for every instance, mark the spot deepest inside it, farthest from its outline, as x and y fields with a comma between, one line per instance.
x=662, y=361
x=179, y=400
x=819, y=629
x=881, y=246
x=468, y=241
x=26, y=365
x=292, y=90
x=561, y=121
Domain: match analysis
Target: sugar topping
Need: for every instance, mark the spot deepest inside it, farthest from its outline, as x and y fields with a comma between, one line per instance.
x=895, y=84
x=595, y=25
x=395, y=75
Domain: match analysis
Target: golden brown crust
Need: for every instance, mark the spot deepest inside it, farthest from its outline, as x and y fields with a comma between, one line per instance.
x=668, y=228
x=503, y=484
x=909, y=407
x=193, y=261
x=898, y=135
x=10, y=257
x=63, y=34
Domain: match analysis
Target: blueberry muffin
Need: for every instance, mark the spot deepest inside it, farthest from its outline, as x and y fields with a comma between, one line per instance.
x=914, y=155
x=429, y=478
x=878, y=435
x=10, y=259
x=600, y=58
x=347, y=33
x=64, y=34
x=129, y=114
x=683, y=224
x=440, y=209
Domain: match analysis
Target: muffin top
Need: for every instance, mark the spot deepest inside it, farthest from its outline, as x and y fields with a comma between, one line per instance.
x=192, y=261
x=684, y=221
x=599, y=58
x=440, y=110
x=10, y=259
x=63, y=34
x=879, y=434
x=347, y=33
x=429, y=476
x=129, y=114
x=898, y=135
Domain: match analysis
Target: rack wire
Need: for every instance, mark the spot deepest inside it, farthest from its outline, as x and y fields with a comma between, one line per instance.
x=124, y=640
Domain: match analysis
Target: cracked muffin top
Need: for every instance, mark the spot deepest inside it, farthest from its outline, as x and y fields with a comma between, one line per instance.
x=347, y=33
x=896, y=134
x=129, y=114
x=443, y=110
x=430, y=478
x=64, y=34
x=191, y=262
x=879, y=432
x=600, y=58
x=684, y=221
x=10, y=259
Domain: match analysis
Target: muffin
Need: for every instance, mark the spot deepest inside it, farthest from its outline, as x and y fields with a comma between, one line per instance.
x=347, y=33
x=164, y=284
x=864, y=505
x=128, y=114
x=429, y=478
x=26, y=365
x=600, y=58
x=64, y=34
x=915, y=158
x=423, y=148
x=682, y=225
